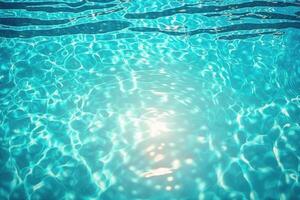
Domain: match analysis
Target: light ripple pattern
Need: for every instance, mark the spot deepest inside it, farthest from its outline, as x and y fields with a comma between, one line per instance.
x=167, y=99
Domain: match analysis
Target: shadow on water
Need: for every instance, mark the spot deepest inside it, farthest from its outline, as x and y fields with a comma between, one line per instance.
x=48, y=6
x=256, y=15
x=190, y=9
x=224, y=29
x=114, y=25
x=246, y=36
x=31, y=21
x=290, y=21
x=88, y=28
x=22, y=5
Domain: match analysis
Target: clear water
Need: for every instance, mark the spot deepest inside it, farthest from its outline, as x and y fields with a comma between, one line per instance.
x=142, y=99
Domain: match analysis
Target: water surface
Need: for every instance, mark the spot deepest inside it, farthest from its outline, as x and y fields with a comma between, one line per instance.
x=130, y=100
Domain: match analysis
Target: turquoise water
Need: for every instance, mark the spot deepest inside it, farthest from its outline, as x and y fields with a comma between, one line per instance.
x=156, y=100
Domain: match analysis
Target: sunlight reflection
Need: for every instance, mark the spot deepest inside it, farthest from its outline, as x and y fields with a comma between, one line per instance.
x=156, y=127
x=157, y=172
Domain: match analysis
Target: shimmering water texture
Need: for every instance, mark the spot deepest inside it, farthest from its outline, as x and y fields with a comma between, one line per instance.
x=144, y=99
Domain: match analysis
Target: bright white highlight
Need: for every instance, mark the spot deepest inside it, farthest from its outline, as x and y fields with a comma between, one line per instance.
x=156, y=127
x=158, y=172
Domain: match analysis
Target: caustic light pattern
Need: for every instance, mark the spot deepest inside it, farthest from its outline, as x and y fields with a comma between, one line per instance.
x=156, y=100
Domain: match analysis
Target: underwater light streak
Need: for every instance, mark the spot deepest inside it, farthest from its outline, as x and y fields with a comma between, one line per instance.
x=157, y=172
x=162, y=170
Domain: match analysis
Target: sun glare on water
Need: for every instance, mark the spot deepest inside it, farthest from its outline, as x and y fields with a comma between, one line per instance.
x=156, y=127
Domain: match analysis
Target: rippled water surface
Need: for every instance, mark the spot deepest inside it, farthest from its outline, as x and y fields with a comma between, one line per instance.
x=149, y=99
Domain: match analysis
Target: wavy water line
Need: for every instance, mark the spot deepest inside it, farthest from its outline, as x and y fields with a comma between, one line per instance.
x=110, y=26
x=256, y=15
x=87, y=28
x=225, y=29
x=24, y=5
x=44, y=7
x=33, y=21
x=189, y=9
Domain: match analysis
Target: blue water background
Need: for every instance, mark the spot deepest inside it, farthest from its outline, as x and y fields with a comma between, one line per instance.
x=124, y=100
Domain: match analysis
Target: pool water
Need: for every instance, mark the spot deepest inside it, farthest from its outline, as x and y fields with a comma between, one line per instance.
x=156, y=100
